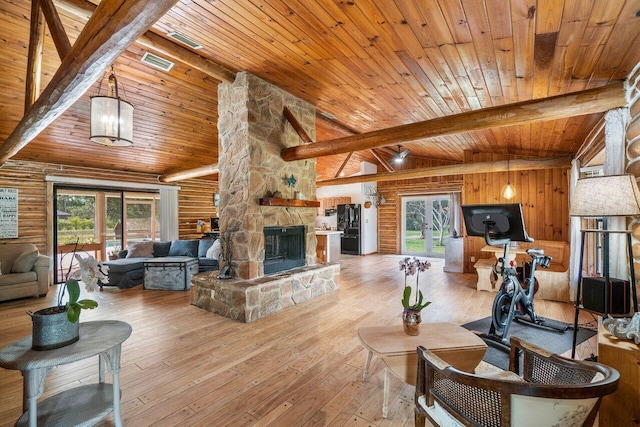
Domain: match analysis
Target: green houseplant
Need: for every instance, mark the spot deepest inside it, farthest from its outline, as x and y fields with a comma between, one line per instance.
x=58, y=326
x=411, y=316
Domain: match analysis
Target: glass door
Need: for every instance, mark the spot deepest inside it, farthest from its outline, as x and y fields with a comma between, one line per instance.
x=90, y=222
x=425, y=225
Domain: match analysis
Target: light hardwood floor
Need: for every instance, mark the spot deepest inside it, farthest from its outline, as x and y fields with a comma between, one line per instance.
x=183, y=366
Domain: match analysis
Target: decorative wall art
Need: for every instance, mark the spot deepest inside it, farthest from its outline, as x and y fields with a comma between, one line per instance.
x=8, y=213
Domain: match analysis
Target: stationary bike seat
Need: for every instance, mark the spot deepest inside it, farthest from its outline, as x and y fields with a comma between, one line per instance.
x=535, y=252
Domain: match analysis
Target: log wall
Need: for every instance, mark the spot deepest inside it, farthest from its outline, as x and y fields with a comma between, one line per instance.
x=35, y=204
x=389, y=222
x=544, y=195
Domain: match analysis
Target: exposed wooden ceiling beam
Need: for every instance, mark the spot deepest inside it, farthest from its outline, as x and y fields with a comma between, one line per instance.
x=84, y=9
x=461, y=169
x=557, y=107
x=382, y=161
x=296, y=126
x=34, y=56
x=344, y=163
x=58, y=34
x=112, y=28
x=191, y=173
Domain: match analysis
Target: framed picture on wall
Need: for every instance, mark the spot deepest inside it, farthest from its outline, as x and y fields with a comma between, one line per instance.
x=8, y=213
x=216, y=199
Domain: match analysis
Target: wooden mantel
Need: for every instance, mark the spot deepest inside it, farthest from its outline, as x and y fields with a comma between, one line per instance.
x=294, y=203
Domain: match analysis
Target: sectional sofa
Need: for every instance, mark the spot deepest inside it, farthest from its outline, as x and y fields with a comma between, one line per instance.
x=128, y=270
x=25, y=272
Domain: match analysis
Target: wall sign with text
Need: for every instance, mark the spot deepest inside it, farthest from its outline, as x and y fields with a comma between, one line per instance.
x=8, y=213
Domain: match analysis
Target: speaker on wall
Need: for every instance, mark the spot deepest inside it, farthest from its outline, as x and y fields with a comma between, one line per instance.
x=619, y=295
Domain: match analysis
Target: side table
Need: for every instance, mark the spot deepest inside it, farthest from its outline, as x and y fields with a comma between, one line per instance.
x=82, y=405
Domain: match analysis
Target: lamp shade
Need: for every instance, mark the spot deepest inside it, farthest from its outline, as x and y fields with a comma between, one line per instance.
x=613, y=195
x=111, y=121
x=111, y=117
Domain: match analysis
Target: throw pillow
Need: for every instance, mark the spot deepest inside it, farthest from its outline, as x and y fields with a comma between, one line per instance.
x=215, y=250
x=161, y=249
x=24, y=262
x=204, y=246
x=140, y=250
x=184, y=248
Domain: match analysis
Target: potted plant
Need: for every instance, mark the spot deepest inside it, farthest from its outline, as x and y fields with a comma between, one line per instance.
x=58, y=326
x=411, y=315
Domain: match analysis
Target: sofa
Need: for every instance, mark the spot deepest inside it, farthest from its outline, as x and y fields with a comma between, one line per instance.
x=25, y=272
x=128, y=270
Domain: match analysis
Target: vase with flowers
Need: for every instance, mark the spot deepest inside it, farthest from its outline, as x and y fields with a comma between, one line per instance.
x=411, y=315
x=58, y=326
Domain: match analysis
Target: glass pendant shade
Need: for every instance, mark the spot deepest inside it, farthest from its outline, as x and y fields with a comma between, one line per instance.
x=111, y=118
x=508, y=191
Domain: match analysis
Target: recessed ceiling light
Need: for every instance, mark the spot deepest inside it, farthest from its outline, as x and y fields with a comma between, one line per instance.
x=184, y=39
x=156, y=61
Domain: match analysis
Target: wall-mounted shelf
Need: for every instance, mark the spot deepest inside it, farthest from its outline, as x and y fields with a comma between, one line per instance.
x=271, y=201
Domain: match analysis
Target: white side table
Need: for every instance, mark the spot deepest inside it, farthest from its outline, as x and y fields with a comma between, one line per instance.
x=80, y=406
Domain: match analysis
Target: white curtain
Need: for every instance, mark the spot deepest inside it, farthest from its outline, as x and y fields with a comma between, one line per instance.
x=168, y=213
x=574, y=233
x=455, y=213
x=614, y=164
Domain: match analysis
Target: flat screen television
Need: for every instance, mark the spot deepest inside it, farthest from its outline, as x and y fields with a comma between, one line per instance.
x=215, y=223
x=501, y=221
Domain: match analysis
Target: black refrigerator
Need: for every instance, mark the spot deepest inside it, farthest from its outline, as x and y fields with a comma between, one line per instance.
x=349, y=222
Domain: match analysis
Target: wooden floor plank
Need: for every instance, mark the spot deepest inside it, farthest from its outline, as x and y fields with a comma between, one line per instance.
x=302, y=366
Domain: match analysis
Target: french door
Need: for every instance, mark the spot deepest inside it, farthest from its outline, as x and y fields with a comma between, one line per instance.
x=425, y=225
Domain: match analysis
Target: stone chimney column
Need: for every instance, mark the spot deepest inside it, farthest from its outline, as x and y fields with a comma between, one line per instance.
x=252, y=131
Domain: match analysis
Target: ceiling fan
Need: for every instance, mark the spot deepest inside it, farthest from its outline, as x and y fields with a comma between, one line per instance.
x=400, y=155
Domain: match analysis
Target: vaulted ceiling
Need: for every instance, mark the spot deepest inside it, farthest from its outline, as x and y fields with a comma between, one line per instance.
x=365, y=64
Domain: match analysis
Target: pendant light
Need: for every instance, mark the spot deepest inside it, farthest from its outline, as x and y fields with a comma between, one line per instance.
x=508, y=191
x=111, y=117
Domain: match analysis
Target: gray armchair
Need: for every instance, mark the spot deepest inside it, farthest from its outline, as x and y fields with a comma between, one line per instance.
x=25, y=272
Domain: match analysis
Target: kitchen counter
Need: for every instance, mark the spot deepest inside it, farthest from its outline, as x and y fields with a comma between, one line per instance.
x=328, y=246
x=327, y=232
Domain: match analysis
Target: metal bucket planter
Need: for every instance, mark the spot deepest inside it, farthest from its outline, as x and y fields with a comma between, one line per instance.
x=52, y=329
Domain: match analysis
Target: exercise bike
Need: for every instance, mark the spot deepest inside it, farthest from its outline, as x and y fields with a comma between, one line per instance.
x=514, y=301
x=500, y=225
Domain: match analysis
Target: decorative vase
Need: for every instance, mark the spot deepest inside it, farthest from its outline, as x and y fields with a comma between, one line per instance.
x=411, y=321
x=52, y=329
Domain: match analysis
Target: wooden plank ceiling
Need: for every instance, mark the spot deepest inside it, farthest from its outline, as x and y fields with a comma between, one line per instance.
x=365, y=64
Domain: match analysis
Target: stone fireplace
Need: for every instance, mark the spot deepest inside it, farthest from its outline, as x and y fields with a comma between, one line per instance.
x=284, y=248
x=252, y=131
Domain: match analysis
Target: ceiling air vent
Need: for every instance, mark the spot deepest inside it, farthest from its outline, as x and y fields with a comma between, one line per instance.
x=184, y=39
x=156, y=61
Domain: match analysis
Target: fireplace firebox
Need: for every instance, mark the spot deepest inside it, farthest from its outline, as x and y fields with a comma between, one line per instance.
x=284, y=248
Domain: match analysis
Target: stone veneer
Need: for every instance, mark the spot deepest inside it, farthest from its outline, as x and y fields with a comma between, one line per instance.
x=249, y=300
x=252, y=131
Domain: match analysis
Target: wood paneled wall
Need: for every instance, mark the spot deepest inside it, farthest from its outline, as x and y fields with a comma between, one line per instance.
x=195, y=198
x=544, y=195
x=389, y=222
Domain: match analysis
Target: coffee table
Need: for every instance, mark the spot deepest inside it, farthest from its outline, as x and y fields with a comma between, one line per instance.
x=454, y=344
x=169, y=273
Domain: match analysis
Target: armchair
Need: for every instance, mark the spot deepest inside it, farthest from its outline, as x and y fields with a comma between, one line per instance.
x=540, y=389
